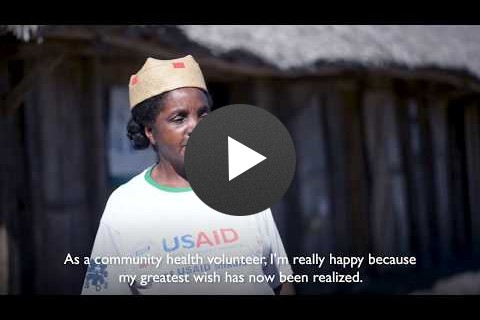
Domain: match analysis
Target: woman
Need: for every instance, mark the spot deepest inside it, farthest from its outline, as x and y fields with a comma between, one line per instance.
x=170, y=241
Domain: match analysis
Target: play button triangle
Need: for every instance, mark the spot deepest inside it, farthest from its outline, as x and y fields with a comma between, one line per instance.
x=241, y=158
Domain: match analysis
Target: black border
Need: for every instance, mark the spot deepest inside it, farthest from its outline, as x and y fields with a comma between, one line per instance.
x=238, y=307
x=242, y=12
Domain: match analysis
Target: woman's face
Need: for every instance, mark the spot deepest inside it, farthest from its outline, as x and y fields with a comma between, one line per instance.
x=182, y=110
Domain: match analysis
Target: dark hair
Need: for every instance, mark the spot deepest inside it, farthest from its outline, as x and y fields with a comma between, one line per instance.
x=144, y=114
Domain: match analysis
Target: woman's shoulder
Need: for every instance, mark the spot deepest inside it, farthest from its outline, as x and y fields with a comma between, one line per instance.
x=123, y=200
x=132, y=187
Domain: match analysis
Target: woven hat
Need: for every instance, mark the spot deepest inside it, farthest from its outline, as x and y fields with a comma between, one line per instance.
x=159, y=76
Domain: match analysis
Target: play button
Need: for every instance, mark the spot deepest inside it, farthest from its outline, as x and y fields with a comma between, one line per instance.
x=240, y=160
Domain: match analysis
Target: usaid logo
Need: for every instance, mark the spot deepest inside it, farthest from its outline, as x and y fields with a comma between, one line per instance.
x=200, y=239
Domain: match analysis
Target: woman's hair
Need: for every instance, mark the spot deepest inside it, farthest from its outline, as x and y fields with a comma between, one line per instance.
x=144, y=115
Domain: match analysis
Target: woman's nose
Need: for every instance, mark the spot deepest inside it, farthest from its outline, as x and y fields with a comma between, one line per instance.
x=191, y=125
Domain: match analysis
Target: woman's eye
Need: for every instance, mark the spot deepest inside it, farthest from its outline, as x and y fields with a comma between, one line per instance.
x=177, y=119
x=203, y=114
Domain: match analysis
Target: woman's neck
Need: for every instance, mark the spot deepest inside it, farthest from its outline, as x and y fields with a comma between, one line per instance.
x=165, y=174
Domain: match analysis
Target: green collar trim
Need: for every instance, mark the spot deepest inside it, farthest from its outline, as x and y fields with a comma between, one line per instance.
x=149, y=179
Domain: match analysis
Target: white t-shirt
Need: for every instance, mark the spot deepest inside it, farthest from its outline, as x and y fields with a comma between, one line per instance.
x=144, y=220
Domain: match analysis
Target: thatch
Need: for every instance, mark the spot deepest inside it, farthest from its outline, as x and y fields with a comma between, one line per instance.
x=306, y=49
x=22, y=32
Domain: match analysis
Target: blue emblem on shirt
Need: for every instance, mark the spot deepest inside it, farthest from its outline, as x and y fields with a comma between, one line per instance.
x=96, y=276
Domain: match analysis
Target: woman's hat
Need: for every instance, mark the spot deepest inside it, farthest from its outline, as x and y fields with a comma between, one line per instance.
x=159, y=76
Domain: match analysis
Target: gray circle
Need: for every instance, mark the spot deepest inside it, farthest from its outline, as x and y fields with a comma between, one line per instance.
x=206, y=160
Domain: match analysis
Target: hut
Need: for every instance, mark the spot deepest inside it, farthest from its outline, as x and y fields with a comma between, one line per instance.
x=385, y=120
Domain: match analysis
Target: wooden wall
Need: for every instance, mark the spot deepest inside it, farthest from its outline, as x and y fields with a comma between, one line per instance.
x=14, y=236
x=64, y=132
x=387, y=167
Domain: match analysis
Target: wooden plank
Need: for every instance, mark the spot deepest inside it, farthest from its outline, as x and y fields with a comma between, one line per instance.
x=357, y=168
x=418, y=187
x=428, y=174
x=81, y=200
x=56, y=131
x=281, y=210
x=14, y=194
x=288, y=204
x=382, y=229
x=63, y=154
x=456, y=179
x=472, y=141
x=334, y=123
x=49, y=47
x=388, y=196
x=94, y=133
x=74, y=114
x=397, y=178
x=312, y=221
x=308, y=126
x=437, y=109
x=34, y=150
x=396, y=172
x=39, y=104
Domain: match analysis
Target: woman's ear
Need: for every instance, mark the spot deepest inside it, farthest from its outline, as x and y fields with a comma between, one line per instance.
x=150, y=135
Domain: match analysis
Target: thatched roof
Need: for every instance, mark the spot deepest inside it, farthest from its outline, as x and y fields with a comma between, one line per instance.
x=455, y=47
x=308, y=49
x=22, y=32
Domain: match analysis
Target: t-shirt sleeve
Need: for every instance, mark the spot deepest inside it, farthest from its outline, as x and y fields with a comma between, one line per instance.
x=274, y=247
x=102, y=278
